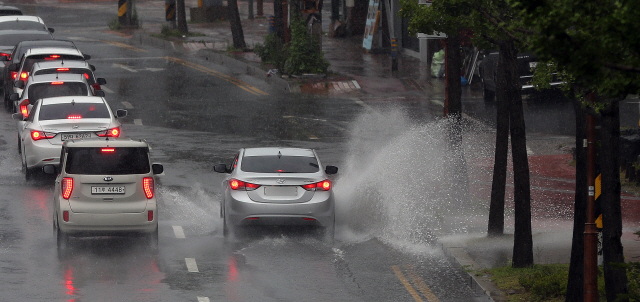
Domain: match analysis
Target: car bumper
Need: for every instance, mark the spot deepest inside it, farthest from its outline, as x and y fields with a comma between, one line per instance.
x=92, y=223
x=40, y=153
x=241, y=210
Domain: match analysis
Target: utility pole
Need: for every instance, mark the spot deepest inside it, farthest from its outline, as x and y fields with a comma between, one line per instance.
x=590, y=231
x=182, y=17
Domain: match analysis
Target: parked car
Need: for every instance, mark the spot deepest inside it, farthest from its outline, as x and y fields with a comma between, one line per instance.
x=527, y=63
x=50, y=85
x=277, y=186
x=6, y=10
x=104, y=187
x=16, y=55
x=52, y=121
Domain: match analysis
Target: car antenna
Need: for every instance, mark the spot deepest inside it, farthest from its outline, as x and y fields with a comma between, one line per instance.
x=279, y=155
x=73, y=101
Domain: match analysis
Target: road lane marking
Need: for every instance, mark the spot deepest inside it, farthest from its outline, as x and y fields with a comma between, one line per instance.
x=203, y=299
x=244, y=86
x=406, y=284
x=192, y=267
x=178, y=231
x=355, y=83
x=313, y=137
x=422, y=287
x=126, y=46
x=137, y=121
x=127, y=105
x=125, y=67
x=361, y=103
x=107, y=90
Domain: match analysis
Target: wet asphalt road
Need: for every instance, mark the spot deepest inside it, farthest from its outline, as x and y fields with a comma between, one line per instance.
x=193, y=117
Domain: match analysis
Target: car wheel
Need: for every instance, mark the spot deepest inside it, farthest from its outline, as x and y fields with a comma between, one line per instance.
x=19, y=146
x=28, y=173
x=152, y=240
x=487, y=95
x=225, y=228
x=62, y=241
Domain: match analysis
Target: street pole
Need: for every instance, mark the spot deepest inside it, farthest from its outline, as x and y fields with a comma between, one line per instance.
x=446, y=82
x=259, y=8
x=590, y=231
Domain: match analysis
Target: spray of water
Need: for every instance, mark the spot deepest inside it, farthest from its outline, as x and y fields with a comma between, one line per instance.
x=404, y=181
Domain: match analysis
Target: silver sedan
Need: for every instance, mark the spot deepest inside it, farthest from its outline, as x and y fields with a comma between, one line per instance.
x=277, y=186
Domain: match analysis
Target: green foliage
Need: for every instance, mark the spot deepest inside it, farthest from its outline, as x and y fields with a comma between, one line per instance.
x=272, y=51
x=544, y=281
x=114, y=24
x=304, y=51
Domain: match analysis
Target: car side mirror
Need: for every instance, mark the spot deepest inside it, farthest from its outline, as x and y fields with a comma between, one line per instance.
x=14, y=96
x=221, y=168
x=19, y=84
x=101, y=81
x=331, y=169
x=51, y=30
x=93, y=68
x=18, y=116
x=13, y=67
x=100, y=93
x=121, y=113
x=49, y=169
x=158, y=169
x=86, y=57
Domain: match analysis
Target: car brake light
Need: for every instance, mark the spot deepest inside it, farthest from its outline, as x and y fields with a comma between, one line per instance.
x=52, y=57
x=324, y=185
x=24, y=75
x=38, y=135
x=57, y=83
x=14, y=75
x=147, y=186
x=24, y=109
x=108, y=150
x=113, y=132
x=2, y=54
x=96, y=86
x=74, y=117
x=62, y=69
x=239, y=185
x=67, y=188
x=86, y=76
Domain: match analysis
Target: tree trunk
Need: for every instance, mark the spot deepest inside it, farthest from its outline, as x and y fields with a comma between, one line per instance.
x=453, y=85
x=615, y=278
x=181, y=17
x=575, y=284
x=278, y=15
x=236, y=25
x=522, y=240
x=496, y=208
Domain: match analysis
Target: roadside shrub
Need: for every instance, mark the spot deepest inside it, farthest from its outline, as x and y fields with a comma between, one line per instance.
x=304, y=51
x=272, y=51
x=545, y=281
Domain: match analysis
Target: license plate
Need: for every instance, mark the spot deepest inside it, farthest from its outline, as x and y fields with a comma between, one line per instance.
x=68, y=136
x=108, y=190
x=533, y=64
x=281, y=191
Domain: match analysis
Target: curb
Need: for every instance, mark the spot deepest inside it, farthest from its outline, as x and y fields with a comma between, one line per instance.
x=215, y=57
x=479, y=283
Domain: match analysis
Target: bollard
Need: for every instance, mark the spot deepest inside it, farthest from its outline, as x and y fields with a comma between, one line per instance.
x=272, y=24
x=394, y=51
x=122, y=12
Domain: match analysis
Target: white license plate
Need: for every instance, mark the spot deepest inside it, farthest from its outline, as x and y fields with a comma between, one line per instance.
x=68, y=136
x=281, y=190
x=108, y=190
x=533, y=64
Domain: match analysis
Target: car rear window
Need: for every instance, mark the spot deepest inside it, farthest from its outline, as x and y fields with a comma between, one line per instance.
x=48, y=90
x=112, y=161
x=73, y=111
x=14, y=39
x=10, y=12
x=30, y=60
x=83, y=71
x=22, y=25
x=279, y=164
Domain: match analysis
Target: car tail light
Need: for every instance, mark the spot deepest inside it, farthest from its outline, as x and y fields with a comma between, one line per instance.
x=24, y=108
x=86, y=75
x=324, y=185
x=52, y=57
x=96, y=86
x=24, y=75
x=14, y=75
x=241, y=185
x=113, y=132
x=2, y=54
x=67, y=188
x=65, y=216
x=150, y=216
x=62, y=69
x=108, y=150
x=74, y=117
x=38, y=135
x=147, y=186
x=57, y=83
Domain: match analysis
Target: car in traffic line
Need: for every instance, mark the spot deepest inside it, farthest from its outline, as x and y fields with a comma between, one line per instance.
x=277, y=186
x=104, y=186
x=9, y=39
x=52, y=121
x=70, y=67
x=23, y=22
x=6, y=10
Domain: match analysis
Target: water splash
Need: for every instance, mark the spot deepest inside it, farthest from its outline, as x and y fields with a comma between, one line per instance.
x=403, y=183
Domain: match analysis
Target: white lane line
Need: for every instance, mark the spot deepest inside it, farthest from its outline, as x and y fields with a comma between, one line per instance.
x=127, y=105
x=313, y=137
x=178, y=231
x=137, y=121
x=356, y=84
x=107, y=90
x=203, y=299
x=361, y=103
x=192, y=267
x=127, y=68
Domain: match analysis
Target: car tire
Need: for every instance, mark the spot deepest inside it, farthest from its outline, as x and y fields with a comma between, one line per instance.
x=329, y=231
x=62, y=242
x=225, y=228
x=19, y=146
x=487, y=95
x=152, y=240
x=28, y=172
